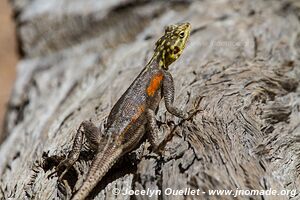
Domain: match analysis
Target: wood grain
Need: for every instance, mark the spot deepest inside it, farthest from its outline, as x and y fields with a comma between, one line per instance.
x=240, y=70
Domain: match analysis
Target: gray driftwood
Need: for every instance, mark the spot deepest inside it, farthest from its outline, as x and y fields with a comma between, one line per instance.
x=240, y=69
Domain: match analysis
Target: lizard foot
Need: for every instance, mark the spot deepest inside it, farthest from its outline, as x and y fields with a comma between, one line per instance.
x=195, y=108
x=158, y=148
x=63, y=166
x=193, y=111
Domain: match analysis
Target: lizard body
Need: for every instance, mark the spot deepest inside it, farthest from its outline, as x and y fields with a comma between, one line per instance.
x=133, y=112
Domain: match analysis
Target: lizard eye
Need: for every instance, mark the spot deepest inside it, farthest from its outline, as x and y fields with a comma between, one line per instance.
x=181, y=34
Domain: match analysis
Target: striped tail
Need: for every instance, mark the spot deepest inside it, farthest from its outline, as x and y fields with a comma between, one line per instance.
x=103, y=161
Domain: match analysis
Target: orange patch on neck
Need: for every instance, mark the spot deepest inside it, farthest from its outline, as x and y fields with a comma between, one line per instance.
x=154, y=84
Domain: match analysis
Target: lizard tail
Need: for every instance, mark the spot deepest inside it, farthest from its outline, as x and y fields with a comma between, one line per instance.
x=103, y=161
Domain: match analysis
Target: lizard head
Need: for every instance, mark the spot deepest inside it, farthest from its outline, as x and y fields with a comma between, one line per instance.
x=170, y=46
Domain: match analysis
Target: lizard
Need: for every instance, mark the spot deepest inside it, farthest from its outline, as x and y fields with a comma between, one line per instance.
x=133, y=114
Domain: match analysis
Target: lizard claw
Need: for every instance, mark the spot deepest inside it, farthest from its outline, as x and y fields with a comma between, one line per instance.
x=195, y=108
x=193, y=111
x=157, y=150
x=185, y=116
x=63, y=166
x=189, y=114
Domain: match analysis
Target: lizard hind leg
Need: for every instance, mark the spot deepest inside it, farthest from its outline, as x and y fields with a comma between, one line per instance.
x=93, y=136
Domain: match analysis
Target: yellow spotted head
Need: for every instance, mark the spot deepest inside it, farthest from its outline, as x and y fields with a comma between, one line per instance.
x=170, y=46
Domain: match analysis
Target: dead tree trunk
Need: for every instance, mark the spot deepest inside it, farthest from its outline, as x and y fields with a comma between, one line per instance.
x=240, y=70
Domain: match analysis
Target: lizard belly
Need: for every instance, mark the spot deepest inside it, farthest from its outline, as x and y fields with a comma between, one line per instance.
x=135, y=129
x=131, y=137
x=127, y=119
x=128, y=127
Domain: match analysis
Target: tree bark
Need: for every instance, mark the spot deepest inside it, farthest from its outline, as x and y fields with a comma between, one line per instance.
x=240, y=70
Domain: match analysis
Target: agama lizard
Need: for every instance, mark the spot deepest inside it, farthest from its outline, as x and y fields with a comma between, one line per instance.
x=134, y=112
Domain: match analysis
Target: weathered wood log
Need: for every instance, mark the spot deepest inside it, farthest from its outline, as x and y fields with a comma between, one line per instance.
x=240, y=70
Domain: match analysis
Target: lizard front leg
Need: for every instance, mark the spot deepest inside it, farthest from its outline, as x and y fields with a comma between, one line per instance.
x=153, y=129
x=168, y=94
x=154, y=132
x=93, y=136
